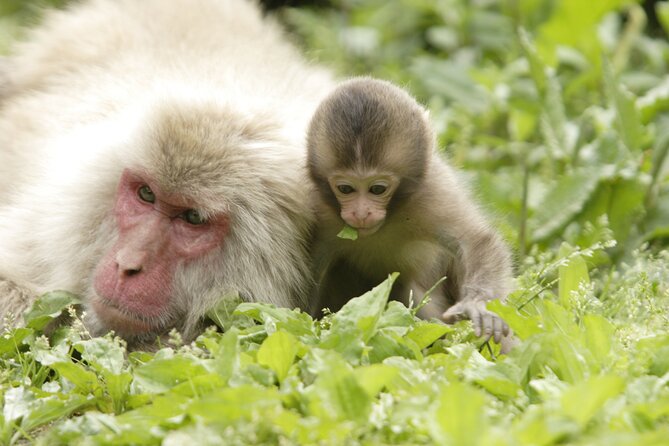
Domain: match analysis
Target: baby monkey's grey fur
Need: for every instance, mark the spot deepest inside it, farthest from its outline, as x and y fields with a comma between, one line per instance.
x=428, y=226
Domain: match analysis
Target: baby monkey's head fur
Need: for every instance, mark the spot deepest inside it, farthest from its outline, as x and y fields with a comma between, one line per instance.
x=368, y=126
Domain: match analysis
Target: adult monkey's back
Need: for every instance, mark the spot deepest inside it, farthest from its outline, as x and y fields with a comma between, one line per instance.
x=151, y=160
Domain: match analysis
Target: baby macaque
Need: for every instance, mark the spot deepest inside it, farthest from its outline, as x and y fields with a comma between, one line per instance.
x=373, y=157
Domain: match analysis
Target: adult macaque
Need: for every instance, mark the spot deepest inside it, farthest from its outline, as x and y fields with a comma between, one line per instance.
x=373, y=159
x=151, y=161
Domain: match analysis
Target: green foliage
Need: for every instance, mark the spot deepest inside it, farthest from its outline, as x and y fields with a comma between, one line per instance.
x=557, y=113
x=588, y=366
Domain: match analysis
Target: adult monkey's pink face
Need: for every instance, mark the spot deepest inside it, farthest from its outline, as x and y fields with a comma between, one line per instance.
x=157, y=233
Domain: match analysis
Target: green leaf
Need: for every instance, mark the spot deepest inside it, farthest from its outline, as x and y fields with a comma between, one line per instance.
x=292, y=321
x=396, y=316
x=571, y=275
x=495, y=381
x=598, y=335
x=46, y=410
x=160, y=375
x=84, y=380
x=386, y=343
x=338, y=395
x=584, y=400
x=523, y=326
x=48, y=307
x=232, y=404
x=564, y=201
x=628, y=117
x=363, y=313
x=11, y=341
x=425, y=333
x=459, y=416
x=348, y=233
x=104, y=354
x=373, y=378
x=118, y=386
x=223, y=313
x=278, y=352
x=566, y=358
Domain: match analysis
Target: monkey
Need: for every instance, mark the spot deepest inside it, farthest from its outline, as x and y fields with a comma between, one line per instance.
x=373, y=159
x=152, y=161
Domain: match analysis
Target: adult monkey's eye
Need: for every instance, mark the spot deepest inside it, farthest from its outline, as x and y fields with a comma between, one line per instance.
x=345, y=189
x=146, y=194
x=193, y=217
x=378, y=189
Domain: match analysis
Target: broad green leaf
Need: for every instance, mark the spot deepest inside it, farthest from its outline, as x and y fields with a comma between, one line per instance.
x=660, y=362
x=362, y=314
x=386, y=343
x=337, y=394
x=585, y=399
x=598, y=336
x=292, y=321
x=496, y=380
x=656, y=100
x=47, y=354
x=84, y=380
x=160, y=375
x=396, y=316
x=628, y=118
x=373, y=378
x=46, y=410
x=574, y=23
x=225, y=353
x=558, y=319
x=223, y=313
x=522, y=325
x=564, y=201
x=537, y=426
x=569, y=363
x=22, y=404
x=16, y=403
x=118, y=387
x=571, y=275
x=459, y=417
x=104, y=354
x=450, y=80
x=425, y=333
x=48, y=307
x=11, y=341
x=231, y=404
x=626, y=207
x=278, y=352
x=348, y=233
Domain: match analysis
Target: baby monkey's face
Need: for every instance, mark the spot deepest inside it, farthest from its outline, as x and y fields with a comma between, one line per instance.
x=363, y=198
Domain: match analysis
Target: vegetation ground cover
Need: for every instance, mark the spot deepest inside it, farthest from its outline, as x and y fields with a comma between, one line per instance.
x=556, y=111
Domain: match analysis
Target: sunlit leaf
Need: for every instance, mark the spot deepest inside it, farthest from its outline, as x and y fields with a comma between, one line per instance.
x=278, y=352
x=47, y=307
x=583, y=401
x=348, y=233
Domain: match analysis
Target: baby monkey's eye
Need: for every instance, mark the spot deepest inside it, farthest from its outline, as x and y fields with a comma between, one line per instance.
x=345, y=189
x=378, y=189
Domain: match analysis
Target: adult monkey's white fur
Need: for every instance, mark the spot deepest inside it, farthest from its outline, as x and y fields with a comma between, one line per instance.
x=87, y=96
